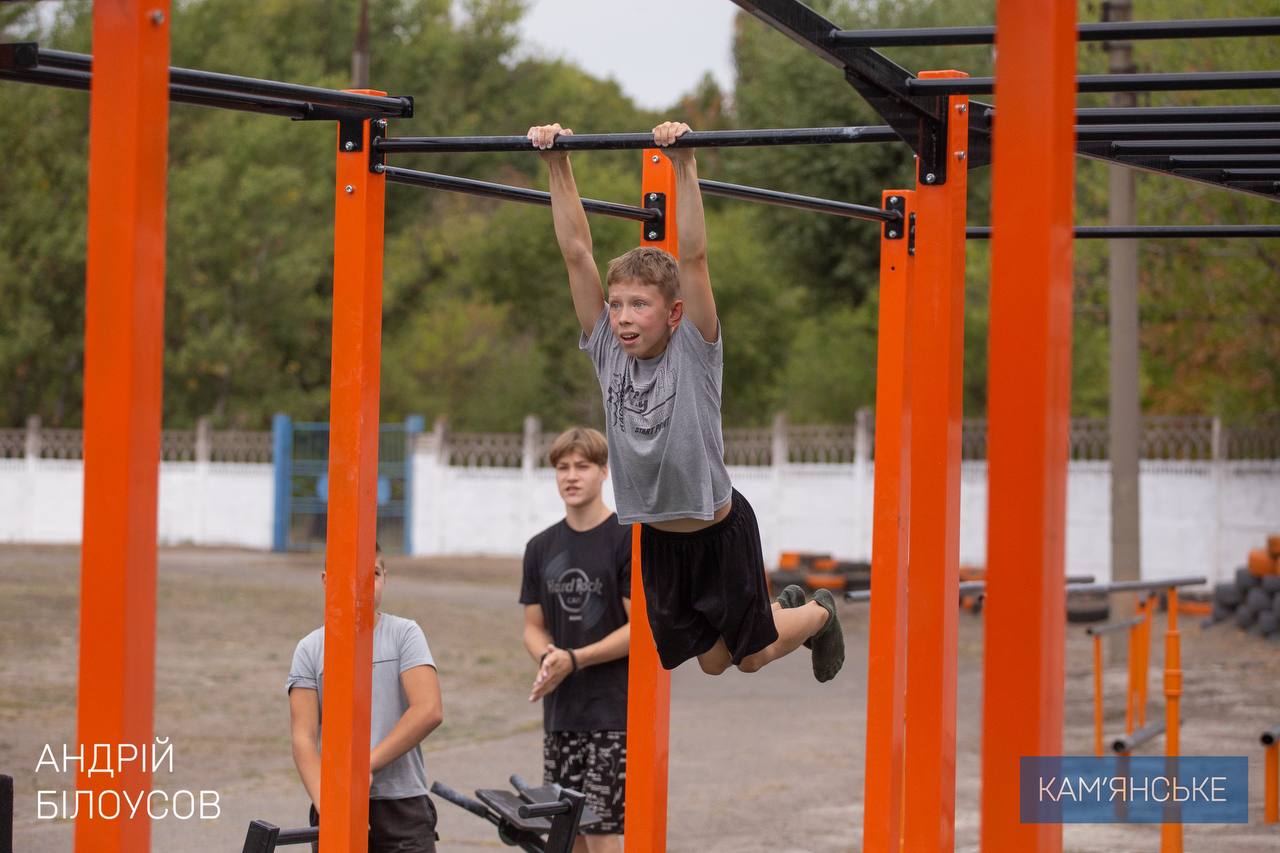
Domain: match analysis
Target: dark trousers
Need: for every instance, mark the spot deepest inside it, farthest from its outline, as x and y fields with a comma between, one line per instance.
x=398, y=826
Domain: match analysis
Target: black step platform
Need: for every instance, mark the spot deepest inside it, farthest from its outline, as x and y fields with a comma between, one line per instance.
x=508, y=803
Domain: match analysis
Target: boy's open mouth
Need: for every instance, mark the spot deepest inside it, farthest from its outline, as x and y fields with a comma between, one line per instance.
x=629, y=336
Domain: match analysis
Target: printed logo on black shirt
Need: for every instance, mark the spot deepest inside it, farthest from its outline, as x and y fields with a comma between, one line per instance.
x=575, y=589
x=579, y=596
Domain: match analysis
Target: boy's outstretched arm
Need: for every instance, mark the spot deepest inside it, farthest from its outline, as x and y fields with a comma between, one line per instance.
x=572, y=231
x=695, y=277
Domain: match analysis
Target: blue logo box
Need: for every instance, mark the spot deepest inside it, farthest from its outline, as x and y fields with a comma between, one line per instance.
x=1134, y=789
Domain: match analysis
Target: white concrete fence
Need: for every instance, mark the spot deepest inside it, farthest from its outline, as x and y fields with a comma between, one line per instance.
x=215, y=487
x=1209, y=493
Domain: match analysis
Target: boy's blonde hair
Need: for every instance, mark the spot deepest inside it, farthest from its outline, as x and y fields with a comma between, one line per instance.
x=650, y=266
x=589, y=442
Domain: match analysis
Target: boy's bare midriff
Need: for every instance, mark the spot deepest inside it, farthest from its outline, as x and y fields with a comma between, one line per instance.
x=691, y=525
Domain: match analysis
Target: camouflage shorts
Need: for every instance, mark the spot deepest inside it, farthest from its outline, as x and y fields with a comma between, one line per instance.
x=594, y=763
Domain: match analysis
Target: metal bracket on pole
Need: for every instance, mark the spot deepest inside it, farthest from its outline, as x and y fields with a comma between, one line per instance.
x=933, y=147
x=655, y=230
x=351, y=134
x=896, y=230
x=377, y=157
x=19, y=55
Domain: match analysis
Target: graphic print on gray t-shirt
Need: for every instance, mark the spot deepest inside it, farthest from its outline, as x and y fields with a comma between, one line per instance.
x=643, y=391
x=662, y=419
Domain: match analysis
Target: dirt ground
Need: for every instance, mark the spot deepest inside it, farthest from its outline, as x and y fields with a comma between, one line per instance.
x=769, y=762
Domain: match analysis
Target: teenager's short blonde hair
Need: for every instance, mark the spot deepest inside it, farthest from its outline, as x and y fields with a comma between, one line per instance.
x=647, y=265
x=589, y=442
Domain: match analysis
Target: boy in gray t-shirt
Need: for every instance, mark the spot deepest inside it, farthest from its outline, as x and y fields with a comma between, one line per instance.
x=405, y=708
x=658, y=353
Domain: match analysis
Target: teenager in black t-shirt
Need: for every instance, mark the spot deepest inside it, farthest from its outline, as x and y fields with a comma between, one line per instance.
x=576, y=594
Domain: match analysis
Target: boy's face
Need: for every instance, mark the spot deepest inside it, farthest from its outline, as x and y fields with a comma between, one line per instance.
x=579, y=479
x=379, y=580
x=640, y=318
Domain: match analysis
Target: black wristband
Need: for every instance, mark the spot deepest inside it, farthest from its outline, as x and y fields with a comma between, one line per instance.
x=574, y=660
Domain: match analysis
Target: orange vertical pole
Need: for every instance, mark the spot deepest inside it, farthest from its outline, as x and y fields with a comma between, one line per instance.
x=887, y=659
x=936, y=392
x=1097, y=694
x=1271, y=784
x=1148, y=609
x=1171, y=833
x=353, y=489
x=649, y=685
x=1029, y=406
x=124, y=347
x=1131, y=688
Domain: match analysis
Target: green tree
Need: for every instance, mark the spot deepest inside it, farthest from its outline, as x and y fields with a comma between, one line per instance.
x=1205, y=306
x=478, y=324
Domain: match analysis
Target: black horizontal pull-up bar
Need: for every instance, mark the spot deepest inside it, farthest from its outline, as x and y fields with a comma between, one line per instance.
x=371, y=105
x=1082, y=232
x=1199, y=146
x=1157, y=232
x=802, y=202
x=505, y=192
x=209, y=88
x=1272, y=187
x=1213, y=173
x=1105, y=31
x=642, y=214
x=632, y=141
x=1177, y=134
x=67, y=79
x=1182, y=115
x=1176, y=82
x=1207, y=161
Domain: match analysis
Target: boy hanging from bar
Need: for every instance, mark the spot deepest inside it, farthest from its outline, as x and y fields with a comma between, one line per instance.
x=658, y=351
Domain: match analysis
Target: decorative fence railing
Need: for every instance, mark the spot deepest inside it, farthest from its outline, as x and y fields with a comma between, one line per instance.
x=1164, y=437
x=1259, y=439
x=1170, y=438
x=201, y=444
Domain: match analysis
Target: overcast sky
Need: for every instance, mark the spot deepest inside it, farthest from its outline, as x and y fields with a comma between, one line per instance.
x=657, y=50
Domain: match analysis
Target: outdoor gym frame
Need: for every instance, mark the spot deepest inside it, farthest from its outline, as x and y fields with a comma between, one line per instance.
x=910, y=772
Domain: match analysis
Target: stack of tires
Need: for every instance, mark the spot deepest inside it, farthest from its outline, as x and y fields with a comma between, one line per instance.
x=1252, y=600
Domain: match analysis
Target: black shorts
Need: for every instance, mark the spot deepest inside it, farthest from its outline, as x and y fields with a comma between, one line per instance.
x=398, y=826
x=594, y=763
x=705, y=585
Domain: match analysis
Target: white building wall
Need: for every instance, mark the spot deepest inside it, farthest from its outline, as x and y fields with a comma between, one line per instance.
x=41, y=500
x=1197, y=517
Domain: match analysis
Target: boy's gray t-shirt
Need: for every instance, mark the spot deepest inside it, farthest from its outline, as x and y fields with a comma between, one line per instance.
x=662, y=419
x=398, y=644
